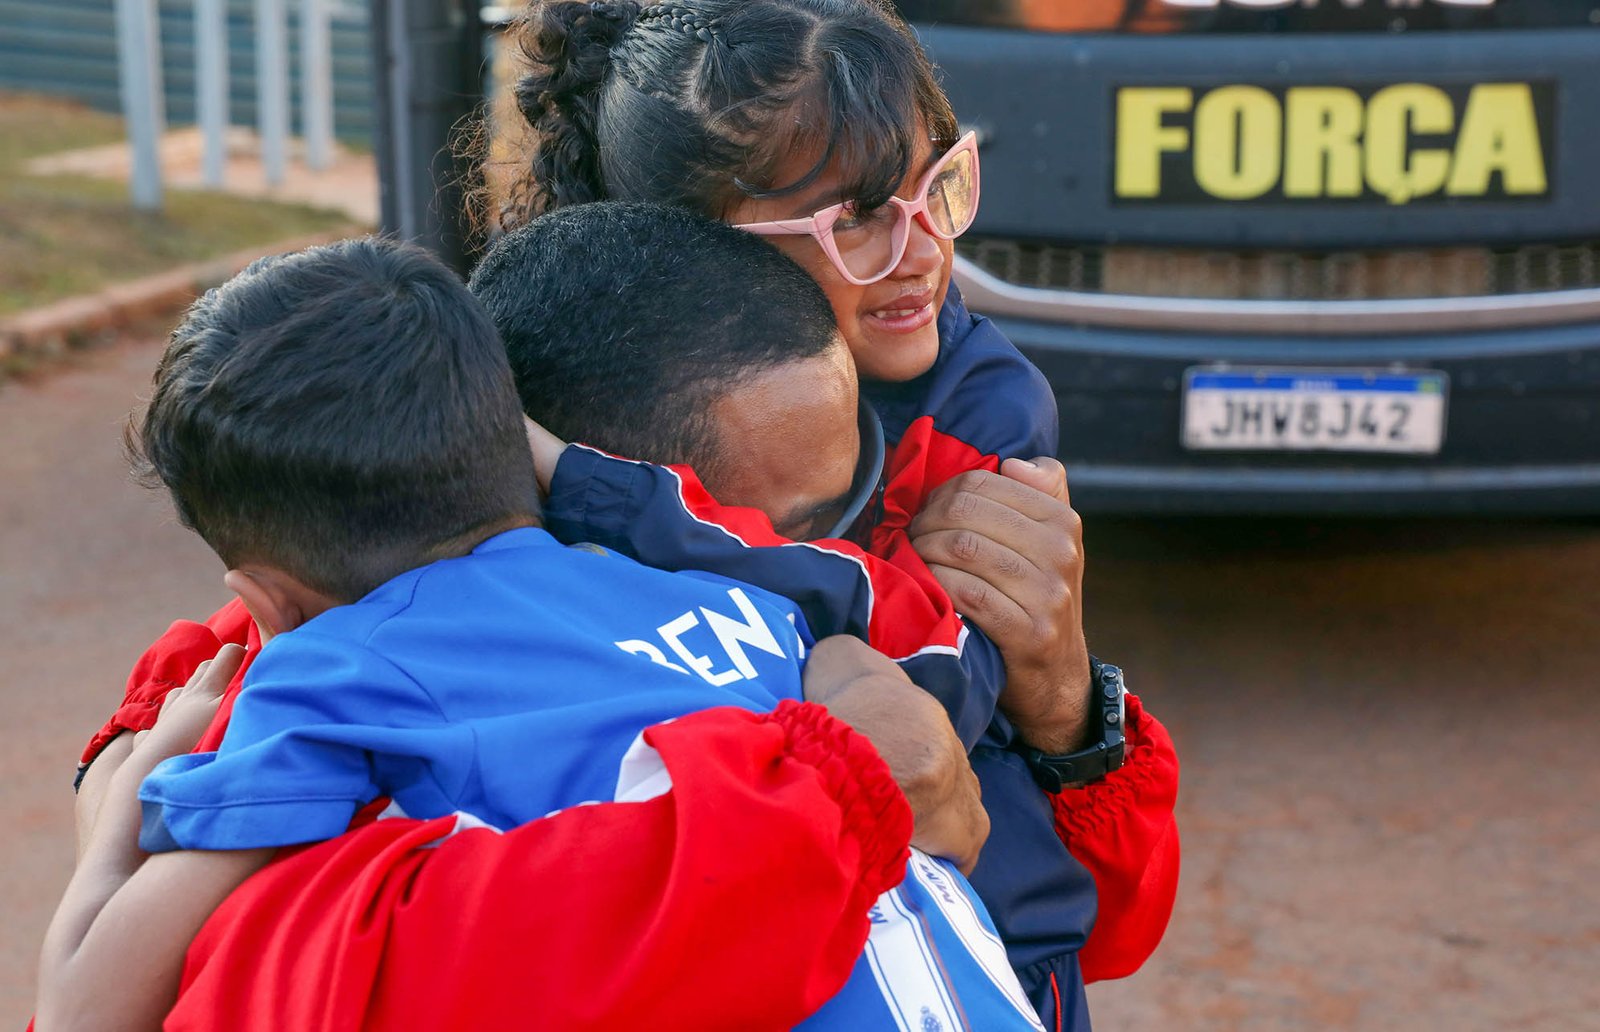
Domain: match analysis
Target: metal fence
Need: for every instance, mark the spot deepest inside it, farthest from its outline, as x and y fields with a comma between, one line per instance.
x=68, y=48
x=281, y=66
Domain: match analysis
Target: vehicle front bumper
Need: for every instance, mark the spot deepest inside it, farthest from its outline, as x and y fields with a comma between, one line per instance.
x=1522, y=429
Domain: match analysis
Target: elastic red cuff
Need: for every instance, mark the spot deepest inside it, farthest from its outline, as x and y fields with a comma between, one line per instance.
x=1148, y=780
x=1122, y=829
x=875, y=811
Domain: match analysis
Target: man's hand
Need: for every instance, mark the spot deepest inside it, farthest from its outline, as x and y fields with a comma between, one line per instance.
x=1009, y=550
x=912, y=733
x=547, y=449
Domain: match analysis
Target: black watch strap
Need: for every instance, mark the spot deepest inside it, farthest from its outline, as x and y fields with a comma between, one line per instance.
x=1107, y=748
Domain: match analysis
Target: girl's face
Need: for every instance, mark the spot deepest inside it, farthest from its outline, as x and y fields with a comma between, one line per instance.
x=890, y=326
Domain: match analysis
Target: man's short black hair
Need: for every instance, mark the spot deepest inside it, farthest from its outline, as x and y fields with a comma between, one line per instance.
x=625, y=322
x=342, y=413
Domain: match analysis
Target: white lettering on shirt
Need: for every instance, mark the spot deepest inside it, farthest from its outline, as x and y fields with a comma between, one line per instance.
x=799, y=642
x=733, y=635
x=673, y=631
x=644, y=648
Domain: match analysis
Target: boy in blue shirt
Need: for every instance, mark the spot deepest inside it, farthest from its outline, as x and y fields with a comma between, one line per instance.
x=340, y=426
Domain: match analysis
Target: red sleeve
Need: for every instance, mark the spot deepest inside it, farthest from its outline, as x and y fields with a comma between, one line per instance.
x=760, y=863
x=1123, y=830
x=168, y=664
x=924, y=460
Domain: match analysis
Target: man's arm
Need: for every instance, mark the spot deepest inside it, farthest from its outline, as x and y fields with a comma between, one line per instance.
x=1121, y=828
x=781, y=829
x=664, y=517
x=788, y=819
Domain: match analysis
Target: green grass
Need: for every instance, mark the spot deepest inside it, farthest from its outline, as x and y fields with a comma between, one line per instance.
x=67, y=235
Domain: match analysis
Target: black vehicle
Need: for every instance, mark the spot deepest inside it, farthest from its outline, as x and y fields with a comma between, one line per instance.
x=1294, y=255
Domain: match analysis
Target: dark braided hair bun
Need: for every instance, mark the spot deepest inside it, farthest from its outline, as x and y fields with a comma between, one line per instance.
x=701, y=104
x=569, y=47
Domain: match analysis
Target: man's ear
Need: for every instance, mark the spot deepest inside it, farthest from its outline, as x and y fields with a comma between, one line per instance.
x=277, y=601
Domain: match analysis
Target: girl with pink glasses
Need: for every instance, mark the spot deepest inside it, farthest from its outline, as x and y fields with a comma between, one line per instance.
x=819, y=125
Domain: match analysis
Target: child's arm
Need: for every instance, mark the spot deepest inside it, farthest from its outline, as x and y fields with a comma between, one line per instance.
x=114, y=951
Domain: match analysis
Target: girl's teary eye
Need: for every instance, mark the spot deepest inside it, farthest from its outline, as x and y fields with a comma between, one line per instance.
x=851, y=217
x=856, y=217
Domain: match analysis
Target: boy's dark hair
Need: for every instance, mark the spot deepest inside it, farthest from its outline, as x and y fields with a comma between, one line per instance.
x=344, y=413
x=625, y=322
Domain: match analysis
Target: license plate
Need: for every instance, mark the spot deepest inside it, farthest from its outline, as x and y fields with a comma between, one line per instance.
x=1352, y=410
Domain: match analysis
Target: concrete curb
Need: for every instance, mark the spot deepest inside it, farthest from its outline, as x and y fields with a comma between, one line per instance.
x=71, y=323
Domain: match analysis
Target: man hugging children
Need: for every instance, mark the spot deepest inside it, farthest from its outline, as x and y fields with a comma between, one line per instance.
x=341, y=427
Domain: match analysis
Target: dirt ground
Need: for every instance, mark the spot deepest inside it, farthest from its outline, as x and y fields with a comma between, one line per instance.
x=1388, y=733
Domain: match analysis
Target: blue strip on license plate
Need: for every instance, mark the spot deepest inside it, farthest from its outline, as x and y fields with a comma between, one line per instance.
x=1421, y=383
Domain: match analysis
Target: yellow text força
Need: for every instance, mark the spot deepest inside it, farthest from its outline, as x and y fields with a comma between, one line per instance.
x=1141, y=138
x=1405, y=141
x=1500, y=133
x=1394, y=170
x=1238, y=134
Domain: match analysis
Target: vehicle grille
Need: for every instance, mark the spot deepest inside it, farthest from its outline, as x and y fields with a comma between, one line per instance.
x=1287, y=275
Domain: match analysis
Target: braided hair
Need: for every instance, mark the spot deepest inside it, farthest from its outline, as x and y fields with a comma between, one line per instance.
x=696, y=103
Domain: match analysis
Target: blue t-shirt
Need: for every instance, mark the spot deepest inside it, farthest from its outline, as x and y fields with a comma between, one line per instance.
x=506, y=684
x=512, y=682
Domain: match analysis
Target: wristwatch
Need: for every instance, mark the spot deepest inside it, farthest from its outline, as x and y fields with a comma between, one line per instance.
x=1055, y=771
